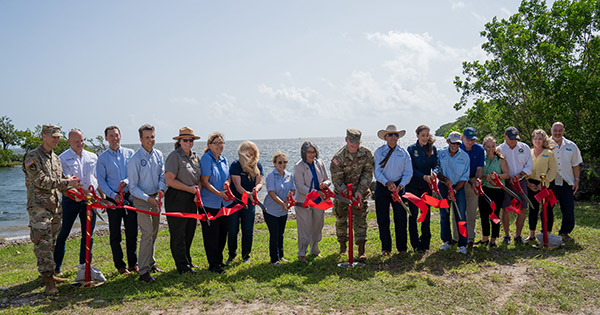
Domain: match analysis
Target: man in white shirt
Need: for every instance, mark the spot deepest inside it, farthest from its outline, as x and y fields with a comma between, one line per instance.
x=76, y=162
x=520, y=164
x=566, y=183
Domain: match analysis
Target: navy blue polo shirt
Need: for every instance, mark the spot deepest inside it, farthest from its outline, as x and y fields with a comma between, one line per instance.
x=477, y=157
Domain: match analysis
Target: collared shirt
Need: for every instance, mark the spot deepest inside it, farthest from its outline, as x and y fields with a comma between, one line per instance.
x=545, y=163
x=422, y=164
x=83, y=167
x=186, y=168
x=246, y=181
x=489, y=167
x=44, y=179
x=456, y=167
x=352, y=168
x=476, y=156
x=218, y=172
x=518, y=158
x=111, y=169
x=281, y=185
x=567, y=156
x=146, y=173
x=397, y=168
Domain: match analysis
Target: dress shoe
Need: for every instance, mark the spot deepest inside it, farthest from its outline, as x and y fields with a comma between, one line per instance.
x=156, y=269
x=134, y=269
x=147, y=278
x=218, y=270
x=302, y=259
x=188, y=270
x=124, y=271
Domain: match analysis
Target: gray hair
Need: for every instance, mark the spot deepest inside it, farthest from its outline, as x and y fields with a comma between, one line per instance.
x=308, y=144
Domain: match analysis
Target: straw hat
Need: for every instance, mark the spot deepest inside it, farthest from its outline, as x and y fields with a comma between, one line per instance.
x=186, y=132
x=390, y=129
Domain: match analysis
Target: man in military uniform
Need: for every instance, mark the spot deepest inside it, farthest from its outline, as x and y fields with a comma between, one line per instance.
x=45, y=180
x=352, y=164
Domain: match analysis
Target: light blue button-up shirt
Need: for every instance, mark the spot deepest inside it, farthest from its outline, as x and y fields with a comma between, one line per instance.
x=111, y=169
x=398, y=167
x=146, y=173
x=218, y=172
x=456, y=167
x=281, y=185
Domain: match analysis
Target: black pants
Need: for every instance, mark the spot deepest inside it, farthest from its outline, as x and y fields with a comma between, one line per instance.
x=182, y=230
x=418, y=243
x=129, y=219
x=215, y=238
x=564, y=194
x=383, y=199
x=533, y=212
x=485, y=210
x=276, y=227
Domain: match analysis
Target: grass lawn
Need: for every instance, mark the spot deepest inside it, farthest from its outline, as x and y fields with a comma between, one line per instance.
x=504, y=280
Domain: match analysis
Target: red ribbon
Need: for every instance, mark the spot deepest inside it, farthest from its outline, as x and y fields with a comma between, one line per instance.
x=198, y=199
x=311, y=196
x=515, y=206
x=462, y=229
x=493, y=216
x=310, y=201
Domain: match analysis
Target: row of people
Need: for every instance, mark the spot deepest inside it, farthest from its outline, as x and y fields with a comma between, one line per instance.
x=140, y=178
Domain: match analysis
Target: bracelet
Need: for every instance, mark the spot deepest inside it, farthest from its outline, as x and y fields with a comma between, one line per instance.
x=576, y=178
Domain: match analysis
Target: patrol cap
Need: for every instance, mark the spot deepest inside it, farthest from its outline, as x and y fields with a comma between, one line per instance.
x=512, y=133
x=52, y=130
x=353, y=135
x=470, y=133
x=454, y=137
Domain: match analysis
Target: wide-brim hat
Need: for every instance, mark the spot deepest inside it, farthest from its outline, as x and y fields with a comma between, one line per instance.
x=390, y=129
x=186, y=132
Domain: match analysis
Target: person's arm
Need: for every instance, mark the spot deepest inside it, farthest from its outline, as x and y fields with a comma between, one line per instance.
x=366, y=177
x=504, y=168
x=258, y=182
x=528, y=168
x=552, y=168
x=407, y=173
x=379, y=176
x=161, y=176
x=206, y=184
x=171, y=181
x=337, y=175
x=576, y=173
x=299, y=174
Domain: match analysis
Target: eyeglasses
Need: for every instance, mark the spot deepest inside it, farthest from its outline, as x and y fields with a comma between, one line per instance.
x=395, y=134
x=187, y=140
x=282, y=162
x=218, y=143
x=311, y=152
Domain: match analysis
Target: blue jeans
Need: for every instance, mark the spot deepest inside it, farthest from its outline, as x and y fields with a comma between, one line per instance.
x=71, y=210
x=461, y=201
x=276, y=227
x=564, y=194
x=245, y=218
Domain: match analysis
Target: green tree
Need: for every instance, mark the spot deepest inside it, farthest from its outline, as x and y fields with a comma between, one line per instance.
x=543, y=67
x=8, y=134
x=32, y=139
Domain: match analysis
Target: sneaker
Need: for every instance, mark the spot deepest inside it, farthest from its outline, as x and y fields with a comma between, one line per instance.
x=218, y=270
x=519, y=241
x=506, y=240
x=276, y=264
x=284, y=260
x=566, y=237
x=246, y=260
x=156, y=269
x=462, y=250
x=445, y=246
x=229, y=261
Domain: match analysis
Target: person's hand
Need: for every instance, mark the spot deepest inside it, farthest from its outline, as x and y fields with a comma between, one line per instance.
x=427, y=178
x=74, y=182
x=575, y=187
x=118, y=199
x=153, y=201
x=322, y=195
x=390, y=186
x=448, y=182
x=451, y=197
x=531, y=186
x=122, y=184
x=192, y=189
x=222, y=194
x=358, y=196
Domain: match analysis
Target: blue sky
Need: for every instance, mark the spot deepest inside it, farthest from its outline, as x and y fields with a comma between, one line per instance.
x=250, y=69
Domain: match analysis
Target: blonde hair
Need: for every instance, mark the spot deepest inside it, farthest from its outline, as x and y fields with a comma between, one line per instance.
x=249, y=165
x=489, y=138
x=212, y=138
x=545, y=140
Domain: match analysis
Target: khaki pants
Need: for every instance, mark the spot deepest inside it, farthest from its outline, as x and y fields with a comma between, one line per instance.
x=472, y=206
x=310, y=227
x=149, y=229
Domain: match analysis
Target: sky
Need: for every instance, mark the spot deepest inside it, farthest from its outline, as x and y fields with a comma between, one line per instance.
x=250, y=69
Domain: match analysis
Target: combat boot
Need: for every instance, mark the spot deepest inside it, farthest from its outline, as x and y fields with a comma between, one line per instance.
x=343, y=248
x=48, y=280
x=361, y=251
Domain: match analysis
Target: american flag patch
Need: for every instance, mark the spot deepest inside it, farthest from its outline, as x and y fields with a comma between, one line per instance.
x=29, y=162
x=335, y=161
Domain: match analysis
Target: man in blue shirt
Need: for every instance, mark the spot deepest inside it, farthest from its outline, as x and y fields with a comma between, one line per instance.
x=393, y=171
x=112, y=177
x=477, y=157
x=453, y=171
x=146, y=174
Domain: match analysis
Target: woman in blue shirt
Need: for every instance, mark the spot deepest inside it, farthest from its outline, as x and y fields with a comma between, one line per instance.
x=280, y=184
x=215, y=173
x=246, y=176
x=423, y=155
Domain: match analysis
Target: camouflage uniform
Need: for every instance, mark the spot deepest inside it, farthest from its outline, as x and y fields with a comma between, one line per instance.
x=44, y=180
x=355, y=169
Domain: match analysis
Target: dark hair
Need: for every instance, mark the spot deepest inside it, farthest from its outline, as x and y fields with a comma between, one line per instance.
x=145, y=127
x=308, y=144
x=109, y=128
x=211, y=139
x=177, y=144
x=430, y=141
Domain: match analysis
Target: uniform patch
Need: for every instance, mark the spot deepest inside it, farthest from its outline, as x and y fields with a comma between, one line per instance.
x=287, y=178
x=31, y=165
x=520, y=150
x=545, y=155
x=29, y=162
x=196, y=160
x=143, y=162
x=416, y=153
x=335, y=161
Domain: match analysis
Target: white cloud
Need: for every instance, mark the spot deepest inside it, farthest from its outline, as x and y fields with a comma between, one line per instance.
x=457, y=5
x=480, y=18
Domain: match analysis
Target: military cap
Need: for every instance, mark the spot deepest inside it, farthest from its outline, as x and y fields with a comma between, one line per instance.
x=353, y=135
x=52, y=130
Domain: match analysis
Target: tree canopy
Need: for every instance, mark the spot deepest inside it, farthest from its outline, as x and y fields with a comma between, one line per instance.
x=543, y=67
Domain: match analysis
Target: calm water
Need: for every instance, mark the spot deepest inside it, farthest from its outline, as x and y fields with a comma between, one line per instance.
x=13, y=194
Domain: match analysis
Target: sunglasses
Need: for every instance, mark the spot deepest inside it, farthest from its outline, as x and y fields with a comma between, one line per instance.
x=218, y=143
x=282, y=162
x=395, y=134
x=187, y=140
